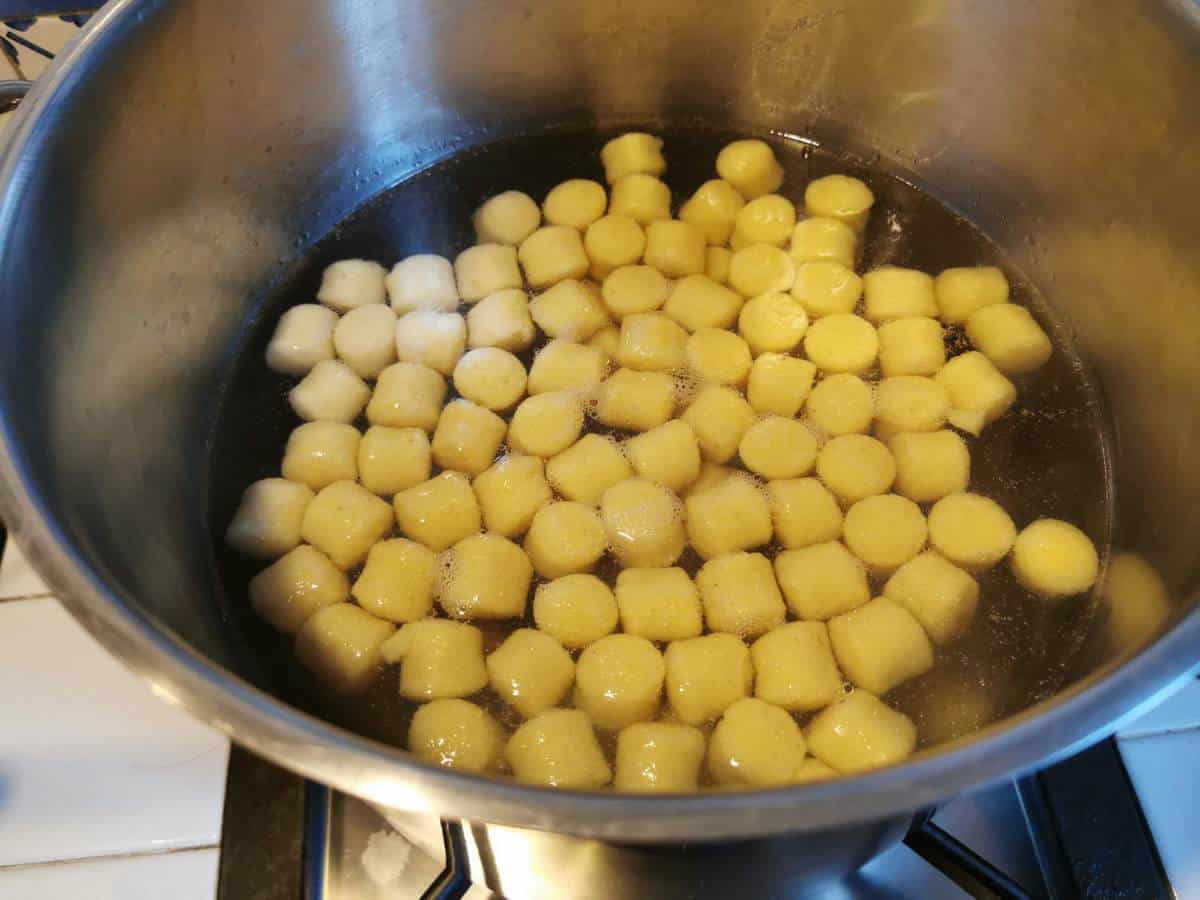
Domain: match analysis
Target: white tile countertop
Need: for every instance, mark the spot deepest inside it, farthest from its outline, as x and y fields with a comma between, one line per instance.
x=105, y=791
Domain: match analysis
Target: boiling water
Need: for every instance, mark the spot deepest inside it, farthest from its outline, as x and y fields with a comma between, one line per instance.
x=1047, y=457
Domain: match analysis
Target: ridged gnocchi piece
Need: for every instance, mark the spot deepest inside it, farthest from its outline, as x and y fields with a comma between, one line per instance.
x=530, y=671
x=821, y=581
x=971, y=531
x=794, y=667
x=507, y=218
x=619, y=681
x=342, y=646
x=438, y=658
x=344, y=521
x=320, y=453
x=551, y=254
x=546, y=424
x=740, y=595
x=398, y=581
x=940, y=595
x=713, y=209
x=930, y=466
x=776, y=448
x=751, y=167
x=841, y=404
x=565, y=538
x=423, y=281
x=668, y=455
x=576, y=610
x=510, y=492
x=779, y=384
x=330, y=392
x=732, y=514
x=439, y=512
x=840, y=197
x=485, y=576
x=589, y=467
x=804, y=512
x=484, y=269
x=456, y=734
x=859, y=733
x=576, y=203
x=558, y=748
x=659, y=604
x=755, y=745
x=612, y=242
x=634, y=152
x=569, y=309
x=391, y=460
x=644, y=523
x=302, y=338
x=699, y=302
x=467, y=437
x=350, y=283
x=501, y=319
x=407, y=395
x=705, y=675
x=364, y=339
x=295, y=587
x=1054, y=559
x=880, y=645
x=659, y=758
x=432, y=337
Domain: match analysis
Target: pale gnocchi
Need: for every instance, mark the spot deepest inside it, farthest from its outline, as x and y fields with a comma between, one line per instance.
x=668, y=462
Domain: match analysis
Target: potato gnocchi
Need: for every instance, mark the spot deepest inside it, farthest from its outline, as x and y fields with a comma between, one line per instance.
x=651, y=491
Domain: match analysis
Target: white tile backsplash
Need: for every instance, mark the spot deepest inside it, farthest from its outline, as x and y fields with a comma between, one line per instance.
x=187, y=875
x=91, y=763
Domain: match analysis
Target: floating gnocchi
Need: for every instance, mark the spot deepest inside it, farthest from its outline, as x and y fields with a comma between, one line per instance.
x=628, y=495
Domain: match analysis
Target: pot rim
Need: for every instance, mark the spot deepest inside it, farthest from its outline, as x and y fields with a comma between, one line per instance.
x=389, y=777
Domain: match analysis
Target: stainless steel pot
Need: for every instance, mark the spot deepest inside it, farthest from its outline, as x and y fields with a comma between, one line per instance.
x=163, y=171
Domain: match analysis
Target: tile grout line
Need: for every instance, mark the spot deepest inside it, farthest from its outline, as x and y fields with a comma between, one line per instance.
x=42, y=595
x=101, y=857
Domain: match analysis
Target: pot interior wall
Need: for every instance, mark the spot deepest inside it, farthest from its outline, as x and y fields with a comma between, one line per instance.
x=211, y=142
